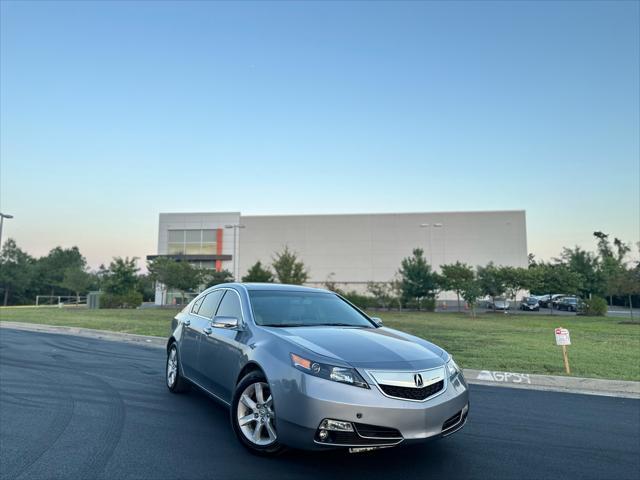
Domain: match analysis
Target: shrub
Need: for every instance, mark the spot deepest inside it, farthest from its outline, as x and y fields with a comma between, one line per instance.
x=131, y=299
x=595, y=307
x=359, y=300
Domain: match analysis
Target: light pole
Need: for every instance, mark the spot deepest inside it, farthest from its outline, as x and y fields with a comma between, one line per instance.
x=236, y=263
x=430, y=226
x=2, y=217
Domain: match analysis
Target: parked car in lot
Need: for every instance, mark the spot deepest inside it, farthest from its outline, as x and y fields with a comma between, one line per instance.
x=304, y=368
x=570, y=304
x=556, y=299
x=546, y=301
x=499, y=304
x=530, y=304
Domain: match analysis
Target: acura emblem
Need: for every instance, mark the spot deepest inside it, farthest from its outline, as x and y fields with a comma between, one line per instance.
x=418, y=379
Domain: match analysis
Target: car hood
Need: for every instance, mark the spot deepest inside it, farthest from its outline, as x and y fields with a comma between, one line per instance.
x=366, y=347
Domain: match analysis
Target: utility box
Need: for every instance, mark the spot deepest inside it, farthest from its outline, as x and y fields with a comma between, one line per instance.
x=93, y=300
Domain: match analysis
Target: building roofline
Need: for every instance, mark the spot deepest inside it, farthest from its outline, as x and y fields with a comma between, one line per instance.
x=384, y=213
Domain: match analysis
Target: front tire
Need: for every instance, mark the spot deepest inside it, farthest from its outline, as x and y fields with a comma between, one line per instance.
x=176, y=383
x=253, y=416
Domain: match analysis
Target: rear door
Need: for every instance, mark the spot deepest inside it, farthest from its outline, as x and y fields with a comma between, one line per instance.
x=199, y=319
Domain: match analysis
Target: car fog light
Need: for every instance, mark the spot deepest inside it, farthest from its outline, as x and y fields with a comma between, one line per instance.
x=336, y=425
x=323, y=435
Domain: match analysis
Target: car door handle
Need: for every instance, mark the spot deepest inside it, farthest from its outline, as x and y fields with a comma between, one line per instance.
x=207, y=330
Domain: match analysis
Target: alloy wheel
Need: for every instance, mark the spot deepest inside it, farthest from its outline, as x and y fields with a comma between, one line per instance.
x=172, y=368
x=255, y=414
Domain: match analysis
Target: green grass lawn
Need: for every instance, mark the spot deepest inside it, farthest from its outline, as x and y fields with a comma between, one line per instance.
x=601, y=347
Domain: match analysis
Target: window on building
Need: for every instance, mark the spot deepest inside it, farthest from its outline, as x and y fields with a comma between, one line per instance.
x=191, y=242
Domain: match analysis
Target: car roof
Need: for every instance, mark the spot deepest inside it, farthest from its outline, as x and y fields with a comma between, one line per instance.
x=280, y=287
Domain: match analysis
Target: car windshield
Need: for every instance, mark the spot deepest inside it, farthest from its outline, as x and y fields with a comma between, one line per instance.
x=273, y=308
x=532, y=301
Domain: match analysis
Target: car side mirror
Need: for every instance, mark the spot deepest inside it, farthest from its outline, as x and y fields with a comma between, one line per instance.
x=377, y=321
x=221, y=321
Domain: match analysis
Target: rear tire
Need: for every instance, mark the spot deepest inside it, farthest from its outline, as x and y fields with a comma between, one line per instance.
x=176, y=383
x=253, y=406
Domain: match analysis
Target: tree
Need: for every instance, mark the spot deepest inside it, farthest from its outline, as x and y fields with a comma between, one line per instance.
x=627, y=283
x=119, y=284
x=417, y=280
x=175, y=275
x=16, y=272
x=471, y=291
x=611, y=262
x=514, y=279
x=51, y=268
x=258, y=273
x=288, y=269
x=455, y=277
x=550, y=279
x=588, y=266
x=490, y=281
x=214, y=277
x=77, y=280
x=382, y=292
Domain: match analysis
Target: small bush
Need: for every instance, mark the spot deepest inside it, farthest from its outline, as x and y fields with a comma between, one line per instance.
x=595, y=307
x=131, y=299
x=361, y=301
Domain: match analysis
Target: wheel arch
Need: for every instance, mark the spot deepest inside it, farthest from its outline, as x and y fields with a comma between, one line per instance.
x=249, y=367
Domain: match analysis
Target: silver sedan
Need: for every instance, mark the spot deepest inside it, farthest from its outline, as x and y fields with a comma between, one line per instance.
x=304, y=368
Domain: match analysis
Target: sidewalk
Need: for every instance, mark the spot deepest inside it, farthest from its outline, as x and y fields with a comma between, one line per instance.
x=587, y=386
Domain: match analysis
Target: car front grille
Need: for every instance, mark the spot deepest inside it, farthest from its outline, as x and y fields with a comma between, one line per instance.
x=412, y=393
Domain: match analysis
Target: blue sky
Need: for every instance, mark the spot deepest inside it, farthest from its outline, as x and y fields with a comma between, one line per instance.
x=114, y=111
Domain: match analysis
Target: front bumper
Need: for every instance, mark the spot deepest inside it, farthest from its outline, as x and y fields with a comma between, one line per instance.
x=303, y=402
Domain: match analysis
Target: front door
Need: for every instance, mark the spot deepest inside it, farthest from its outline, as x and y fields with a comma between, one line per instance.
x=199, y=320
x=221, y=350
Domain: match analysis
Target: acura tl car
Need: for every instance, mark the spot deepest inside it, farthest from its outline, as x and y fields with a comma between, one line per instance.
x=303, y=368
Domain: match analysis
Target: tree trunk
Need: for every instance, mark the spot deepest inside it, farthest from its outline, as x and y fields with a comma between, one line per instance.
x=458, y=295
x=630, y=306
x=77, y=298
x=6, y=296
x=550, y=304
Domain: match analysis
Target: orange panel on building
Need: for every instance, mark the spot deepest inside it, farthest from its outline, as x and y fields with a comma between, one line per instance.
x=219, y=249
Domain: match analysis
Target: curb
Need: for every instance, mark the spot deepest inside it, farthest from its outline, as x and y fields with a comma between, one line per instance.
x=147, y=340
x=529, y=381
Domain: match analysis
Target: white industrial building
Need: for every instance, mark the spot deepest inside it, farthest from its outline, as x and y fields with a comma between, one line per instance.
x=348, y=249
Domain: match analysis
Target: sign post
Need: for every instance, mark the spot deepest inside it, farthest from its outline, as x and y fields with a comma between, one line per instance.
x=563, y=339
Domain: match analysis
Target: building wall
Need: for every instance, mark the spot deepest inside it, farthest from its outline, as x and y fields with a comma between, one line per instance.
x=196, y=221
x=352, y=250
x=356, y=249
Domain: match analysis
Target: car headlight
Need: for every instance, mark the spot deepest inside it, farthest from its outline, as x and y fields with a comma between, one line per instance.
x=453, y=368
x=329, y=372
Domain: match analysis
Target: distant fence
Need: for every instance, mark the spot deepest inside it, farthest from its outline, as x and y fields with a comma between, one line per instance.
x=60, y=300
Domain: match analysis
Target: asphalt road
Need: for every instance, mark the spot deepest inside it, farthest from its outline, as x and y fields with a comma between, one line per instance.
x=73, y=407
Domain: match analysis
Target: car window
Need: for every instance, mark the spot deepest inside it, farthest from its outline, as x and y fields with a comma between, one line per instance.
x=277, y=309
x=196, y=304
x=230, y=306
x=210, y=303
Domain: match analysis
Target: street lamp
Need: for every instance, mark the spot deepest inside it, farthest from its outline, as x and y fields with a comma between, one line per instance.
x=429, y=226
x=236, y=263
x=2, y=217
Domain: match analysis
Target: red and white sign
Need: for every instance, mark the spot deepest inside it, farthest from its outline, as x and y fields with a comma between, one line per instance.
x=562, y=336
